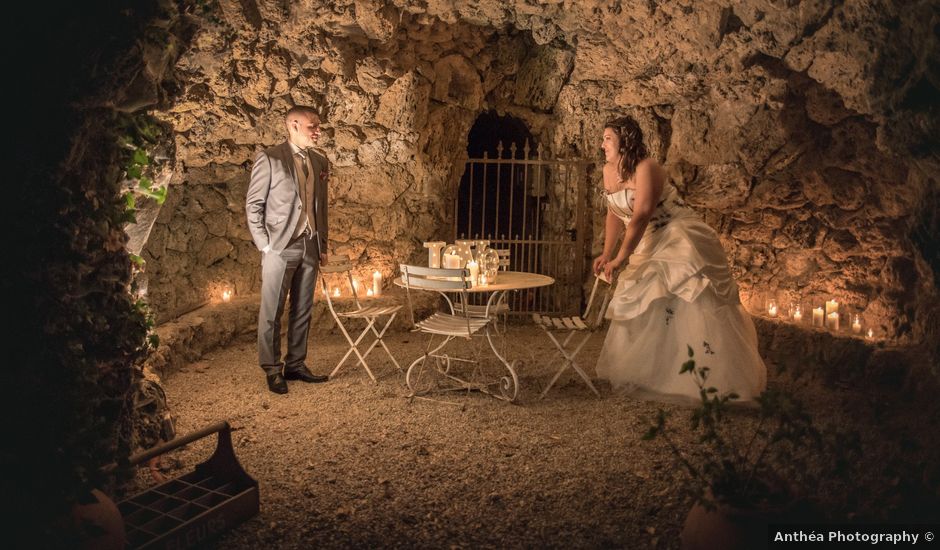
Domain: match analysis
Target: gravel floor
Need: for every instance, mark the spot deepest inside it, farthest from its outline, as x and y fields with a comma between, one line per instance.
x=350, y=463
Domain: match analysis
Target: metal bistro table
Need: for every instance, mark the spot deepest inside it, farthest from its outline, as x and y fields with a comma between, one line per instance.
x=505, y=281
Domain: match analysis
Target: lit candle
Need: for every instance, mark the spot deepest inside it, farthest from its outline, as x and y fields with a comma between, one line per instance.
x=832, y=321
x=376, y=284
x=474, y=272
x=772, y=309
x=226, y=295
x=797, y=314
x=483, y=280
x=871, y=334
x=856, y=325
x=832, y=306
x=818, y=317
x=451, y=261
x=369, y=292
x=336, y=292
x=356, y=287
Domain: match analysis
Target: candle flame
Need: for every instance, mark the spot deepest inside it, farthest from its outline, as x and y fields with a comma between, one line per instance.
x=226, y=295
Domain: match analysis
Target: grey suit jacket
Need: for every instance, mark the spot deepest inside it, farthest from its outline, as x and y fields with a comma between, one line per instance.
x=273, y=203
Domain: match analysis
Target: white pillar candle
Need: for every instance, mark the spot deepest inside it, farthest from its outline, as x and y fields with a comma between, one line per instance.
x=474, y=272
x=336, y=292
x=356, y=287
x=483, y=280
x=856, y=325
x=818, y=319
x=797, y=315
x=226, y=295
x=451, y=261
x=832, y=306
x=376, y=284
x=832, y=321
x=871, y=334
x=369, y=292
x=772, y=309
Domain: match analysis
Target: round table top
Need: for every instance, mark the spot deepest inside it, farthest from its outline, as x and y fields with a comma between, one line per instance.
x=506, y=280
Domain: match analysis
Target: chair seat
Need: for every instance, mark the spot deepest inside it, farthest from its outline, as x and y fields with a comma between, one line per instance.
x=369, y=311
x=480, y=311
x=450, y=325
x=560, y=323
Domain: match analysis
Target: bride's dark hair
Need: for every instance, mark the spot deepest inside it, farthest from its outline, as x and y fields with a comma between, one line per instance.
x=632, y=149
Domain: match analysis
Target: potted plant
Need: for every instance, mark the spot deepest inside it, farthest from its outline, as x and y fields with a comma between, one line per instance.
x=741, y=479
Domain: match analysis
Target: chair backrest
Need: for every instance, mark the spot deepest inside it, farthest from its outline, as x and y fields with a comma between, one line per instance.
x=503, y=258
x=595, y=321
x=338, y=264
x=434, y=278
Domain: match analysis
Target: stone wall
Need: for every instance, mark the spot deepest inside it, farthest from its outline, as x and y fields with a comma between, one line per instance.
x=803, y=131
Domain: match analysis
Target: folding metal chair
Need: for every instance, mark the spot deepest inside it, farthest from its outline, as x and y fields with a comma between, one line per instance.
x=370, y=314
x=449, y=325
x=574, y=325
x=500, y=308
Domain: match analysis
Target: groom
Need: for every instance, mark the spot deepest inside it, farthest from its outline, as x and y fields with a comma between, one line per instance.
x=286, y=206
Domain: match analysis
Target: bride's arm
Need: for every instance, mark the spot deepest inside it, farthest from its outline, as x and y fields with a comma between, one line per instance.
x=649, y=187
x=611, y=233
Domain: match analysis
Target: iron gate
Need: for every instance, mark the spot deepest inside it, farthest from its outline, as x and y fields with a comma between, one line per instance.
x=536, y=208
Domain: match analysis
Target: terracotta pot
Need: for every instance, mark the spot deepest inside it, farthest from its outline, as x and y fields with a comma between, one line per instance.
x=725, y=527
x=100, y=523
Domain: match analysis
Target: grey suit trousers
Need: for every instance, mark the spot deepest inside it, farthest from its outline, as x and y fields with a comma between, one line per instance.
x=291, y=272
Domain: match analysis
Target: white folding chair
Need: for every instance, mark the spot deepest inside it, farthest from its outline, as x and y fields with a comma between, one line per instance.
x=370, y=314
x=500, y=308
x=449, y=325
x=574, y=325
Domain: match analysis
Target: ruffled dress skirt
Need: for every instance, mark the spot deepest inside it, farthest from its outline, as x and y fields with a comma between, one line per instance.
x=677, y=291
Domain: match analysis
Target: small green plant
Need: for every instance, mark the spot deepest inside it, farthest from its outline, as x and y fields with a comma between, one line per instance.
x=142, y=136
x=761, y=469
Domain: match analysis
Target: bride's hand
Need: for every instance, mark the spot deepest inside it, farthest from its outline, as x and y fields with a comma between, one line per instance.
x=610, y=267
x=599, y=263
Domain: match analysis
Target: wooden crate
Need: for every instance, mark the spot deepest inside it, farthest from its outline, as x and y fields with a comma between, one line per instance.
x=193, y=508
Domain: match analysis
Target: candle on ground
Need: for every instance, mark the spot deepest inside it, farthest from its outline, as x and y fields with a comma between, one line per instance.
x=369, y=293
x=832, y=306
x=871, y=334
x=818, y=319
x=772, y=309
x=336, y=292
x=226, y=295
x=797, y=314
x=856, y=325
x=832, y=321
x=376, y=284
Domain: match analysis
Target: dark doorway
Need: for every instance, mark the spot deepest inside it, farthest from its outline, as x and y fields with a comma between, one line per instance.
x=493, y=198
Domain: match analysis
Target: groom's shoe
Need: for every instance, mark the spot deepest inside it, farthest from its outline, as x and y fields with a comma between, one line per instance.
x=303, y=373
x=276, y=383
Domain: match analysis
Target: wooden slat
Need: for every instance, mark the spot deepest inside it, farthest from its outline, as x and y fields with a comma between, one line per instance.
x=569, y=324
x=579, y=323
x=433, y=271
x=558, y=324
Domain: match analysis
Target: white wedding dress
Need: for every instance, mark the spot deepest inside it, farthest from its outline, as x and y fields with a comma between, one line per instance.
x=677, y=291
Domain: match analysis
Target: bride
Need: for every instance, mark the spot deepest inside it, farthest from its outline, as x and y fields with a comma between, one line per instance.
x=674, y=288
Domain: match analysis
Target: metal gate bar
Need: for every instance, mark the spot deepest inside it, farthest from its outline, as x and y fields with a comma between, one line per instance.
x=544, y=227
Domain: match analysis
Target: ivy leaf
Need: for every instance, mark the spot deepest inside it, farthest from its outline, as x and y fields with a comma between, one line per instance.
x=130, y=203
x=133, y=171
x=145, y=183
x=691, y=353
x=130, y=216
x=137, y=259
x=688, y=366
x=140, y=157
